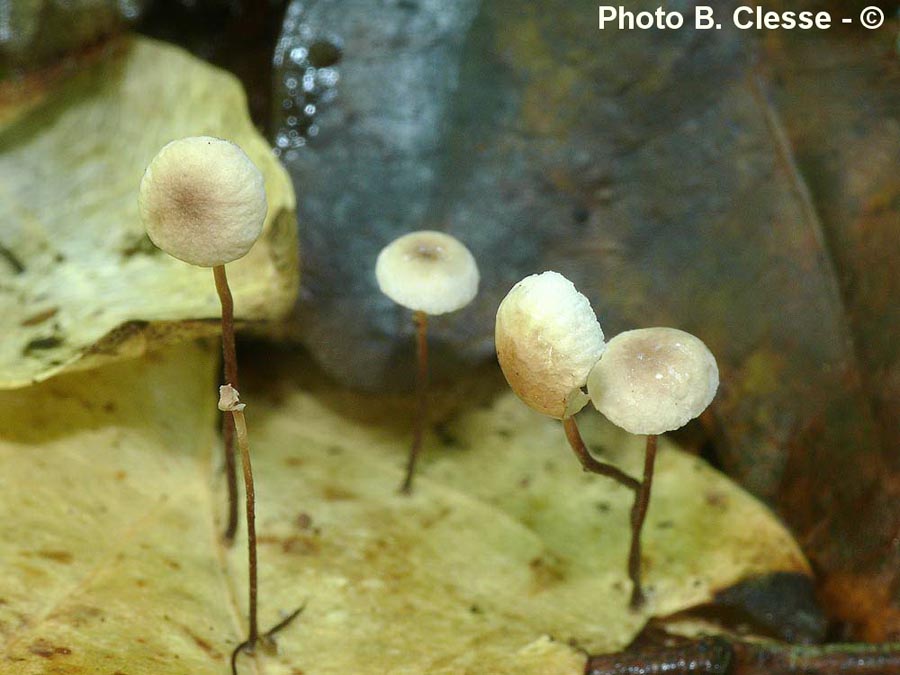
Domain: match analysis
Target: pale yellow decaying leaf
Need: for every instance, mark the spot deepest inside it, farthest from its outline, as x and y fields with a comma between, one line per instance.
x=78, y=276
x=506, y=551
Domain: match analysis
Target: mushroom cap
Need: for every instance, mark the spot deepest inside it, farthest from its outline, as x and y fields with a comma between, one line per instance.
x=203, y=201
x=427, y=271
x=548, y=339
x=653, y=380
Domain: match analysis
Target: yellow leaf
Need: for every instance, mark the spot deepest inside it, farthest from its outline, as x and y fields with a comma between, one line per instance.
x=79, y=279
x=504, y=554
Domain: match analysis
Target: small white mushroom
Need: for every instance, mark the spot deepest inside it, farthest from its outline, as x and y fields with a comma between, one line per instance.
x=203, y=201
x=427, y=271
x=430, y=273
x=653, y=380
x=548, y=339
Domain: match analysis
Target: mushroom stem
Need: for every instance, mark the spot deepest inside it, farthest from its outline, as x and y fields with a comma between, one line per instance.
x=229, y=357
x=588, y=462
x=253, y=637
x=240, y=427
x=421, y=321
x=638, y=514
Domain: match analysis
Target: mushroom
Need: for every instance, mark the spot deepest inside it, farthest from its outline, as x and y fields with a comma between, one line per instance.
x=203, y=201
x=430, y=273
x=548, y=339
x=650, y=381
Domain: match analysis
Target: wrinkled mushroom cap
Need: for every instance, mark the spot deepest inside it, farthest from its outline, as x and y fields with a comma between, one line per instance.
x=653, y=380
x=427, y=271
x=203, y=201
x=548, y=339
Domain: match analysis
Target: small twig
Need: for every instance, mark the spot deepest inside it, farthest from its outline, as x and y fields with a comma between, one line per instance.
x=268, y=636
x=722, y=656
x=421, y=321
x=712, y=656
x=284, y=623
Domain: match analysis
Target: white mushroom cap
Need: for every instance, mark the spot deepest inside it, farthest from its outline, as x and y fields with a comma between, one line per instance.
x=203, y=201
x=548, y=339
x=427, y=271
x=653, y=380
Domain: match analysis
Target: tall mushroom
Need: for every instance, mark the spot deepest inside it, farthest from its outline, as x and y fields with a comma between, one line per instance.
x=203, y=201
x=650, y=381
x=430, y=273
x=548, y=339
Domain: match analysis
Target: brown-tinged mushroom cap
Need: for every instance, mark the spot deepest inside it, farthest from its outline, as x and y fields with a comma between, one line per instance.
x=427, y=271
x=548, y=339
x=653, y=380
x=203, y=201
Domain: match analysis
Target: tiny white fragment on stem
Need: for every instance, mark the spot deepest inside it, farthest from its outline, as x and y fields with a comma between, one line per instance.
x=230, y=399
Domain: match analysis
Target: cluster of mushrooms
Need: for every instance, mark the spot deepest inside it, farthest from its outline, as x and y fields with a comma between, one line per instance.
x=646, y=381
x=203, y=201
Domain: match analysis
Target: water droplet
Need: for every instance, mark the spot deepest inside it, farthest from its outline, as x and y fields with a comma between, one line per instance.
x=328, y=77
x=130, y=9
x=304, y=58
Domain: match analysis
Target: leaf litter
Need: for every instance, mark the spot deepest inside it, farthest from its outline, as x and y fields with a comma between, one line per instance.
x=507, y=558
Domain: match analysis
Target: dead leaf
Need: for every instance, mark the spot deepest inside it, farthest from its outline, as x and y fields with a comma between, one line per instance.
x=78, y=275
x=505, y=554
x=837, y=97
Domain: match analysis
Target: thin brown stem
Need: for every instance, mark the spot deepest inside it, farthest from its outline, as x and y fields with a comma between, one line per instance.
x=229, y=358
x=638, y=515
x=592, y=465
x=421, y=321
x=240, y=427
x=230, y=480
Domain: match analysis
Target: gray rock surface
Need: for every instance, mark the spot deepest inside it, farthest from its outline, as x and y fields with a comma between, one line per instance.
x=363, y=132
x=518, y=127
